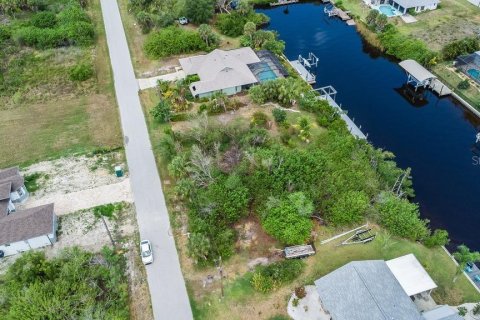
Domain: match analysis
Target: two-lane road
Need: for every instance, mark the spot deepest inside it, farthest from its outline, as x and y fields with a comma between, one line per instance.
x=167, y=287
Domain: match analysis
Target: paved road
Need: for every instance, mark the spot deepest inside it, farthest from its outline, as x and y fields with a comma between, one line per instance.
x=167, y=287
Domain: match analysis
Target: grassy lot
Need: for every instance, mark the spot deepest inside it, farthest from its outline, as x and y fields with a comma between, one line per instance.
x=455, y=19
x=58, y=117
x=242, y=302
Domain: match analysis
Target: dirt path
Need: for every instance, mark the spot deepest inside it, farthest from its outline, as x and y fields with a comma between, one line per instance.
x=89, y=198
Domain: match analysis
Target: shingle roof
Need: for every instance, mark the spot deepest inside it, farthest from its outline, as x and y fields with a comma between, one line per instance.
x=5, y=189
x=365, y=290
x=221, y=69
x=27, y=224
x=12, y=175
x=4, y=208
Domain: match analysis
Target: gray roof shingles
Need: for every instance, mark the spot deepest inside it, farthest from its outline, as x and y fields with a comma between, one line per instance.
x=365, y=290
x=12, y=175
x=27, y=224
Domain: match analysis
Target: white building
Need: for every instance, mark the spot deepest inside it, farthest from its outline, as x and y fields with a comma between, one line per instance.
x=404, y=5
x=221, y=71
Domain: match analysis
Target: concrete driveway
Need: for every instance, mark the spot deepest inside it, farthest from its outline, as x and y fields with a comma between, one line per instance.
x=167, y=287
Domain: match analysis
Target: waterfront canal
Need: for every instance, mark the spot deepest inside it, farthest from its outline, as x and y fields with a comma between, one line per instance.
x=435, y=138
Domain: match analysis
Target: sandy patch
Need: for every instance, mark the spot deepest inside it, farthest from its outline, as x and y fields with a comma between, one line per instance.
x=71, y=174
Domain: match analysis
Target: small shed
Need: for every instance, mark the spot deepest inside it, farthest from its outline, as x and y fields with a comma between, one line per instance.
x=411, y=275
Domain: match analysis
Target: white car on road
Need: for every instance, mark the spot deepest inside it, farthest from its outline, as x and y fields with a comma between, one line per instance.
x=146, y=252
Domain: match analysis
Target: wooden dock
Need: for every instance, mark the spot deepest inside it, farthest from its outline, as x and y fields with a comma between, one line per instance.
x=282, y=2
x=441, y=89
x=302, y=71
x=342, y=14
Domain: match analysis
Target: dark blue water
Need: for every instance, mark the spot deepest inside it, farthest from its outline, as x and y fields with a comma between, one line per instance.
x=434, y=138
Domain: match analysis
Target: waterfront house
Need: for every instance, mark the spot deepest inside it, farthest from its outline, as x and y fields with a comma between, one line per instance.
x=379, y=290
x=230, y=72
x=470, y=65
x=403, y=6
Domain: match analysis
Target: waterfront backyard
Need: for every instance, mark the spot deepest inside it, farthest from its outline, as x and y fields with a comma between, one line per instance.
x=371, y=89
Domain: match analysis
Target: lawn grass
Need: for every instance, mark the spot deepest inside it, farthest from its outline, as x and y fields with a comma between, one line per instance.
x=71, y=119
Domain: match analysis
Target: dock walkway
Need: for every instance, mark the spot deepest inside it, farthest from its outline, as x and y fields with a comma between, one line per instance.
x=302, y=71
x=282, y=2
x=352, y=127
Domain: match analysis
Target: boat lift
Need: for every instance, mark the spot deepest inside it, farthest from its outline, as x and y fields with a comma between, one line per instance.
x=312, y=60
x=360, y=236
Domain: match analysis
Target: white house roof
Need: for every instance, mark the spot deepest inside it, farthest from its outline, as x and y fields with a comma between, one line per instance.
x=416, y=70
x=221, y=69
x=410, y=274
x=415, y=3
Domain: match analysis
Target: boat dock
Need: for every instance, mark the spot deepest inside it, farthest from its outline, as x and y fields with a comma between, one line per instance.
x=328, y=93
x=302, y=71
x=420, y=77
x=282, y=2
x=337, y=12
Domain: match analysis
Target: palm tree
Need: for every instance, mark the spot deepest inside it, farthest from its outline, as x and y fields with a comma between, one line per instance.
x=463, y=255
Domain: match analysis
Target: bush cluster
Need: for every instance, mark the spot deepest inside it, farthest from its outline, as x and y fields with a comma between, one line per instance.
x=460, y=47
x=171, y=41
x=72, y=26
x=269, y=278
x=81, y=72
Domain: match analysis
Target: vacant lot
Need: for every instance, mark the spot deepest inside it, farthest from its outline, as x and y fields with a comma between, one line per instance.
x=49, y=115
x=455, y=19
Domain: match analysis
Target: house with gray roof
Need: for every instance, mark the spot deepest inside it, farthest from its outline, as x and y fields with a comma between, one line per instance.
x=18, y=192
x=28, y=229
x=365, y=290
x=22, y=230
x=230, y=71
x=379, y=290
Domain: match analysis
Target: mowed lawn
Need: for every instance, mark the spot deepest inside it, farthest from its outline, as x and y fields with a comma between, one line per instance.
x=68, y=121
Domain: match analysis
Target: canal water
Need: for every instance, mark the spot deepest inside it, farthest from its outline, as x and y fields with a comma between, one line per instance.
x=435, y=137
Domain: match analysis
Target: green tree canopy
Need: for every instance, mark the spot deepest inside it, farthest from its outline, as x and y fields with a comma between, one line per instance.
x=199, y=11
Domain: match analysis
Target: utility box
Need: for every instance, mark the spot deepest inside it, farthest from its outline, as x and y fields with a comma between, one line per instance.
x=119, y=171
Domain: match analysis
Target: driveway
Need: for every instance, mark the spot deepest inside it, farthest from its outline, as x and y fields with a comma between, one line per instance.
x=85, y=199
x=167, y=287
x=147, y=83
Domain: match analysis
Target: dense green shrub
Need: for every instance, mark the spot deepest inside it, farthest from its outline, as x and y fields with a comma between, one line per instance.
x=45, y=19
x=348, y=208
x=162, y=112
x=404, y=47
x=401, y=217
x=464, y=84
x=288, y=219
x=72, y=26
x=279, y=115
x=35, y=287
x=270, y=277
x=232, y=24
x=173, y=40
x=438, y=238
x=460, y=47
x=81, y=72
x=199, y=11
